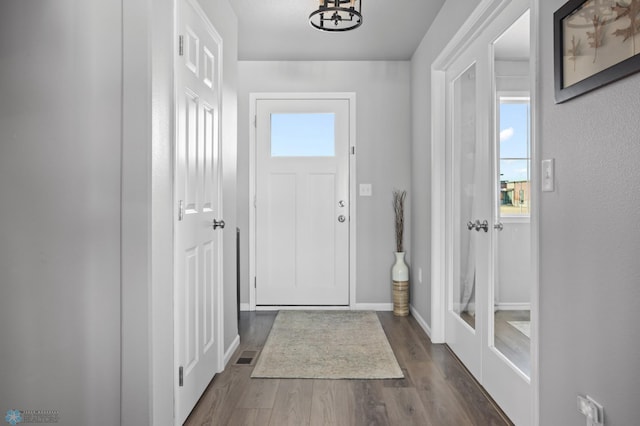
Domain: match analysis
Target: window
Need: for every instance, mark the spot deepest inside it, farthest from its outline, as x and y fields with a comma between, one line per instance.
x=303, y=135
x=514, y=156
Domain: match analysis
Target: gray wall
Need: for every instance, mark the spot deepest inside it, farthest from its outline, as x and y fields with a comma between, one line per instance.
x=60, y=147
x=589, y=247
x=383, y=111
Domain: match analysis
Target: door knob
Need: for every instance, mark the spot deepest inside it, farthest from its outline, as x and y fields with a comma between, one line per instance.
x=218, y=224
x=470, y=225
x=484, y=225
x=341, y=203
x=341, y=218
x=499, y=226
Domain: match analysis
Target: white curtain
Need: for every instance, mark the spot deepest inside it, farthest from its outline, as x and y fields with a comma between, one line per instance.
x=467, y=175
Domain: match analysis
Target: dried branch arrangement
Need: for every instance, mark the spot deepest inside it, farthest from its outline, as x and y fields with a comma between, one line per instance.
x=398, y=208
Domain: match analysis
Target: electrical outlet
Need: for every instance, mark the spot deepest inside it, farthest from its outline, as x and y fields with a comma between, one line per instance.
x=591, y=410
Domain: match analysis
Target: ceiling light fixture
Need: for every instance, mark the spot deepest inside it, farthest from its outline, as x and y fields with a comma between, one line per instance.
x=337, y=15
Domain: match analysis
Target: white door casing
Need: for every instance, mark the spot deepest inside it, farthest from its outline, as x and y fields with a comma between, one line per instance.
x=198, y=202
x=321, y=247
x=302, y=208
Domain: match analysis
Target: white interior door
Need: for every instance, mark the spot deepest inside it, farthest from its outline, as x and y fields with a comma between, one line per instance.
x=473, y=227
x=507, y=349
x=466, y=208
x=302, y=202
x=198, y=197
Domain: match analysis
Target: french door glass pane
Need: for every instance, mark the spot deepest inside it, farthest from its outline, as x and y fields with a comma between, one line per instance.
x=511, y=286
x=464, y=143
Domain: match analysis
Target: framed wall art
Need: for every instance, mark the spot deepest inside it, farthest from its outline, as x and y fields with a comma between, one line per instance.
x=596, y=42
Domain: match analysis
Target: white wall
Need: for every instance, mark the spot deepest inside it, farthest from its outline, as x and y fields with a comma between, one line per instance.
x=60, y=147
x=514, y=266
x=512, y=76
x=383, y=103
x=589, y=246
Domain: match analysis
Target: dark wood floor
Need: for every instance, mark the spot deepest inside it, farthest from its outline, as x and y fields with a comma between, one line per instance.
x=436, y=389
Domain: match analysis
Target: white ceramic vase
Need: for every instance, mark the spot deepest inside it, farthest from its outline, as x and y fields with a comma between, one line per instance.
x=400, y=270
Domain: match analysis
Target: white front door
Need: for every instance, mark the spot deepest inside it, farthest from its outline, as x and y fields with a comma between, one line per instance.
x=198, y=198
x=302, y=202
x=473, y=227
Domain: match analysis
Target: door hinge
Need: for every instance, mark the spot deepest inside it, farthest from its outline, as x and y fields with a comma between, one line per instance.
x=255, y=282
x=180, y=210
x=181, y=45
x=353, y=150
x=255, y=201
x=180, y=376
x=255, y=121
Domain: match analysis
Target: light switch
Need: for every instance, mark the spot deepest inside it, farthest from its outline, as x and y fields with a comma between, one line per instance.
x=548, y=175
x=366, y=190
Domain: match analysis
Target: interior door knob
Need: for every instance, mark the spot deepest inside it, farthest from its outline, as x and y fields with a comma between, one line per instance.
x=218, y=224
x=482, y=225
x=341, y=218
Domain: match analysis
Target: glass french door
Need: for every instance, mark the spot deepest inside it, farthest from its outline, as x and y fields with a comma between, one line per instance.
x=467, y=208
x=477, y=230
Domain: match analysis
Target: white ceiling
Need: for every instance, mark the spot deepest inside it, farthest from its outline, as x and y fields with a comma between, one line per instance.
x=513, y=44
x=280, y=30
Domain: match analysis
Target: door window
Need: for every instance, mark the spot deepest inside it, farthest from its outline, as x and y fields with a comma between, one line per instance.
x=515, y=156
x=303, y=135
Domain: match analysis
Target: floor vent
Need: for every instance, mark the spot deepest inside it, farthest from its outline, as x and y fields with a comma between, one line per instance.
x=246, y=358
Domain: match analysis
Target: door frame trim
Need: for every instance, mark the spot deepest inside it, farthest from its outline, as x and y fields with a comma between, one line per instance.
x=475, y=23
x=253, y=98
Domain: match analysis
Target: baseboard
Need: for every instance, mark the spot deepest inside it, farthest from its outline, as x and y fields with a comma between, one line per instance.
x=301, y=308
x=423, y=324
x=355, y=307
x=513, y=306
x=372, y=307
x=231, y=350
x=244, y=307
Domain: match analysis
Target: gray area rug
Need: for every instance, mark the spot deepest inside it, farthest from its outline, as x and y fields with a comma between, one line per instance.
x=327, y=345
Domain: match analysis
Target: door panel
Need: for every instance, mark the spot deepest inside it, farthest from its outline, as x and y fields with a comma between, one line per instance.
x=198, y=254
x=302, y=174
